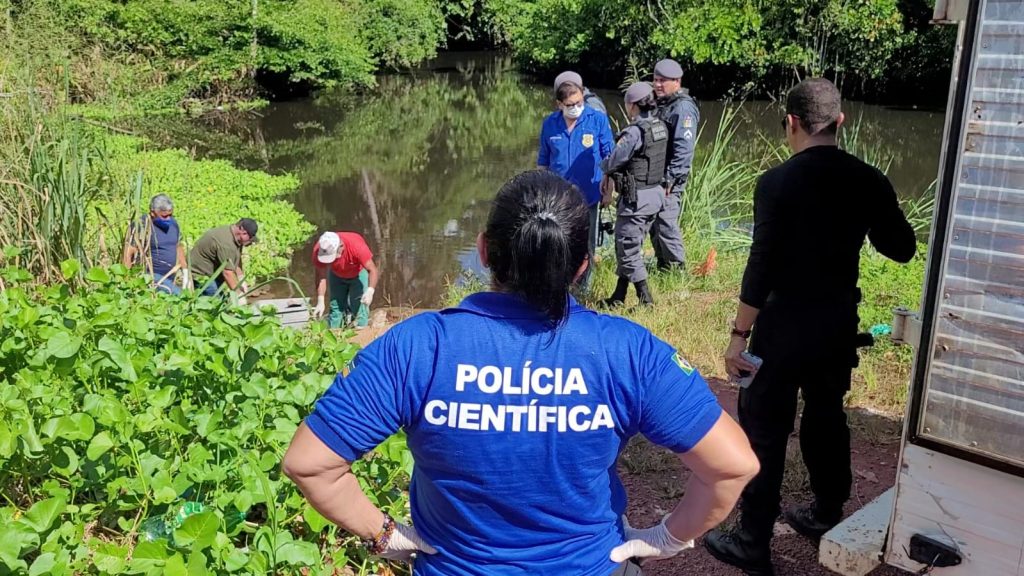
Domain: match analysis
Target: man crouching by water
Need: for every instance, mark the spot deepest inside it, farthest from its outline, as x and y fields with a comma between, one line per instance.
x=515, y=417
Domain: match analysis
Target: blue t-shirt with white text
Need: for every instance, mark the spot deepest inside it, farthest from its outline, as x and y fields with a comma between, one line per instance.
x=515, y=429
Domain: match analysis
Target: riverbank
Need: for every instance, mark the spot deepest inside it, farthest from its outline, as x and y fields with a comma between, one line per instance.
x=70, y=190
x=209, y=193
x=70, y=186
x=693, y=310
x=692, y=313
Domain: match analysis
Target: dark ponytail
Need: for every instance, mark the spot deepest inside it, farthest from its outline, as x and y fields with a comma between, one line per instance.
x=537, y=239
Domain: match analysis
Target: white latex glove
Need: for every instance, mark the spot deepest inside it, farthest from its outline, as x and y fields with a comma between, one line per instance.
x=367, y=297
x=655, y=543
x=318, y=310
x=404, y=543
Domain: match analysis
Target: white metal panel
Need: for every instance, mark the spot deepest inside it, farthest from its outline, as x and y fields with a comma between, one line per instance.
x=981, y=509
x=974, y=383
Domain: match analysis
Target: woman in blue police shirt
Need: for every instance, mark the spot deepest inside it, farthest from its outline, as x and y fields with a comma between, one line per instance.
x=516, y=404
x=573, y=141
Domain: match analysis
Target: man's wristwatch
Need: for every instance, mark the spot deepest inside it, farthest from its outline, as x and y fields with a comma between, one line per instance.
x=745, y=334
x=379, y=543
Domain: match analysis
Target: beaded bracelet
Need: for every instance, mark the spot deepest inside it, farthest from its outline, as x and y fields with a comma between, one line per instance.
x=379, y=543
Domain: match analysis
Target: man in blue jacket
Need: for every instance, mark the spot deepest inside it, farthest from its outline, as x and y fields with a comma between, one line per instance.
x=573, y=141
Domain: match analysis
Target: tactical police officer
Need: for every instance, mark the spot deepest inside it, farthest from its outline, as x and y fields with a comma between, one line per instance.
x=798, y=302
x=679, y=110
x=637, y=169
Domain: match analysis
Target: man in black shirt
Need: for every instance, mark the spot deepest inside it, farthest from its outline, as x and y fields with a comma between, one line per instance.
x=811, y=215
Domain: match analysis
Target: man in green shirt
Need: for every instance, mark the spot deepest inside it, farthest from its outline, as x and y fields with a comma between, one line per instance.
x=216, y=258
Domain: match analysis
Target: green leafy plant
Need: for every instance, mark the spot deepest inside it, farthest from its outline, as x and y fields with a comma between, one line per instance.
x=142, y=434
x=737, y=43
x=209, y=193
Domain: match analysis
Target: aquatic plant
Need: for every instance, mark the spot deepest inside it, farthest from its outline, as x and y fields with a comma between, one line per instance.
x=142, y=434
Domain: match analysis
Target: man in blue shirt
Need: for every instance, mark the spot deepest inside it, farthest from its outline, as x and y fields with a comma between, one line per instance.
x=573, y=141
x=155, y=241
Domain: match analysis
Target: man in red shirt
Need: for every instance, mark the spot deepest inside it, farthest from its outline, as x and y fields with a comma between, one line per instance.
x=352, y=278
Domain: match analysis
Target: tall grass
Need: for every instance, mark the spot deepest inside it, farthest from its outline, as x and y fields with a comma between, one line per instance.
x=693, y=310
x=717, y=200
x=51, y=171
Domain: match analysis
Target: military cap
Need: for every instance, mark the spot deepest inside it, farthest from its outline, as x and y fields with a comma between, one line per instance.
x=637, y=91
x=568, y=76
x=668, y=68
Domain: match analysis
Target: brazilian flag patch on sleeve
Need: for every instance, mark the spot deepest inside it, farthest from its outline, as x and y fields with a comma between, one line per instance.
x=683, y=364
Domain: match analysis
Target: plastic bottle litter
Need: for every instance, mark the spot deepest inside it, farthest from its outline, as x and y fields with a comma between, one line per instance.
x=157, y=527
x=154, y=529
x=187, y=509
x=879, y=330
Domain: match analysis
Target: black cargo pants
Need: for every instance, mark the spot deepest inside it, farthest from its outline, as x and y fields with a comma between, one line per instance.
x=819, y=367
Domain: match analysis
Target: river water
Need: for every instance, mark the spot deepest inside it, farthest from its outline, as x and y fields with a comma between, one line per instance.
x=412, y=164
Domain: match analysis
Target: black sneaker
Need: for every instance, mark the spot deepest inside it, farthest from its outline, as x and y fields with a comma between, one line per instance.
x=807, y=522
x=735, y=550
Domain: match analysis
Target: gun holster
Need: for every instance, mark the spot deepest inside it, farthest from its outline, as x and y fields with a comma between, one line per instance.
x=625, y=185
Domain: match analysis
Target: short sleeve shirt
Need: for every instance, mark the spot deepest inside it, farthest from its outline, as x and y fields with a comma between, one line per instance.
x=216, y=248
x=162, y=245
x=515, y=428
x=353, y=258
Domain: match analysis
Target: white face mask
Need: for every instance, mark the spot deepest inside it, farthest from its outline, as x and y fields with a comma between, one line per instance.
x=573, y=111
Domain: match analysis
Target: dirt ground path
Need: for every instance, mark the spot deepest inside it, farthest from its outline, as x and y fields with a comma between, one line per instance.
x=654, y=480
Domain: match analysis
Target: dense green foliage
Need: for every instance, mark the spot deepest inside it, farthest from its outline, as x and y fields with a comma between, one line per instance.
x=210, y=193
x=142, y=434
x=156, y=54
x=70, y=189
x=737, y=44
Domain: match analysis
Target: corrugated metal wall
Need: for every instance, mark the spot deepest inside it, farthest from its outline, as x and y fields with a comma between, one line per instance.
x=975, y=381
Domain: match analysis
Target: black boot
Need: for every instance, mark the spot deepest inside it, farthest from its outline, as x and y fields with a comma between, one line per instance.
x=618, y=298
x=808, y=521
x=643, y=292
x=742, y=550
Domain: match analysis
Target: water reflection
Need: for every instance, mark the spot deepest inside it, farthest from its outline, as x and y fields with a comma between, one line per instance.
x=412, y=168
x=413, y=164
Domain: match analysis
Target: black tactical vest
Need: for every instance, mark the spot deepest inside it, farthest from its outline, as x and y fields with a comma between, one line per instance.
x=648, y=164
